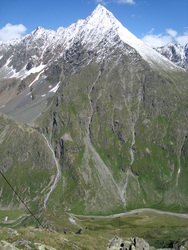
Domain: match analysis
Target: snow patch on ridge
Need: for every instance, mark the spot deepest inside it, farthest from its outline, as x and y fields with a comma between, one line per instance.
x=36, y=69
x=36, y=79
x=24, y=73
x=10, y=72
x=55, y=88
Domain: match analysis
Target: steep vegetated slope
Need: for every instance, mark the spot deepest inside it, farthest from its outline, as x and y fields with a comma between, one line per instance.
x=26, y=164
x=120, y=131
x=114, y=110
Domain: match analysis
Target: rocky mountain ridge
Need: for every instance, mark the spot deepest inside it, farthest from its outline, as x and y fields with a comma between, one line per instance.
x=100, y=25
x=175, y=53
x=25, y=64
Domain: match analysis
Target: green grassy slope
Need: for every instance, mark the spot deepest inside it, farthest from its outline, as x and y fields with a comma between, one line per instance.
x=125, y=117
x=27, y=164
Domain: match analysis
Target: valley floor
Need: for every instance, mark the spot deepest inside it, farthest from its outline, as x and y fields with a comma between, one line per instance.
x=159, y=229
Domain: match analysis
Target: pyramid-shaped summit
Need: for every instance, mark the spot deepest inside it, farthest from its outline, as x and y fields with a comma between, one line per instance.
x=102, y=15
x=101, y=24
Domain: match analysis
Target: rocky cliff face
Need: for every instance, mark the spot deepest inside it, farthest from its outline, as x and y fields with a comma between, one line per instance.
x=114, y=110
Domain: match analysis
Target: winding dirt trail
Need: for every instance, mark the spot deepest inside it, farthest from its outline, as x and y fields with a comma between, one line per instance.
x=141, y=210
x=19, y=219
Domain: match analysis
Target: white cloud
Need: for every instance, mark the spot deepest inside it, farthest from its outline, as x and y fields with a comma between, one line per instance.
x=172, y=32
x=182, y=39
x=156, y=40
x=125, y=1
x=9, y=31
x=99, y=1
x=160, y=40
x=104, y=2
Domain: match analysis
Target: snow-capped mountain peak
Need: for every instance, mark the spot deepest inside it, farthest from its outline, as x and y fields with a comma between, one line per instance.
x=43, y=46
x=101, y=16
x=101, y=24
x=90, y=31
x=28, y=62
x=175, y=53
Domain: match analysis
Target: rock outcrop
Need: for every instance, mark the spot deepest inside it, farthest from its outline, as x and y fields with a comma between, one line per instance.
x=137, y=244
x=4, y=245
x=130, y=244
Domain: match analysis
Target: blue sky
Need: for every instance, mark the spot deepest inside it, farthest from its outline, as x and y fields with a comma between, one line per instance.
x=156, y=22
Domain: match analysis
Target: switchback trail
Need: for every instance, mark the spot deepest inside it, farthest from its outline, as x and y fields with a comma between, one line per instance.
x=20, y=219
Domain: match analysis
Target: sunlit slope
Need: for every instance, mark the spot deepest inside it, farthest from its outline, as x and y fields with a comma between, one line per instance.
x=119, y=129
x=26, y=163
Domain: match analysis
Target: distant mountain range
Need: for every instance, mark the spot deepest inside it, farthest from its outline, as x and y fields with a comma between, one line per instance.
x=175, y=53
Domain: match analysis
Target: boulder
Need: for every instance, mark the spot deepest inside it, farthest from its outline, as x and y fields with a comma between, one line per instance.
x=140, y=244
x=40, y=246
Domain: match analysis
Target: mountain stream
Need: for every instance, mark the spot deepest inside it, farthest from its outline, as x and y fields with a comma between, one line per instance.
x=57, y=175
x=103, y=170
x=179, y=159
